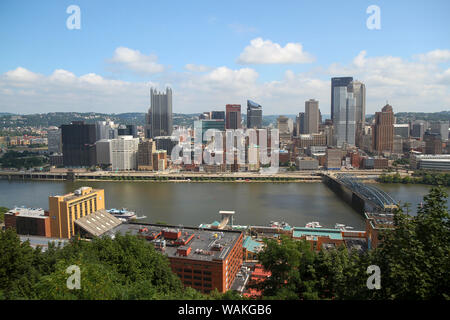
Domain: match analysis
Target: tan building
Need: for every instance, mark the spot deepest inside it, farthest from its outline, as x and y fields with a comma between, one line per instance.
x=145, y=154
x=312, y=116
x=64, y=210
x=383, y=130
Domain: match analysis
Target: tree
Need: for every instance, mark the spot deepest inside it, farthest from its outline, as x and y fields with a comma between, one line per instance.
x=414, y=257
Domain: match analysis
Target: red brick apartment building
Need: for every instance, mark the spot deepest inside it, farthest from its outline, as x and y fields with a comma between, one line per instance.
x=204, y=259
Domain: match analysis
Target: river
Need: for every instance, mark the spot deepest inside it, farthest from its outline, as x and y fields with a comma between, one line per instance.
x=194, y=203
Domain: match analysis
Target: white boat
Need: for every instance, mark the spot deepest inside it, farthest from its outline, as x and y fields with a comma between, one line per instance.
x=122, y=214
x=313, y=224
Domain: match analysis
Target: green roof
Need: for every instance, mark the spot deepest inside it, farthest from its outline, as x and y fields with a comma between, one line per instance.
x=215, y=223
x=251, y=245
x=318, y=232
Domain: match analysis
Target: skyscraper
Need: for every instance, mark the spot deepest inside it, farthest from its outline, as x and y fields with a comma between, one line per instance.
x=338, y=82
x=359, y=92
x=217, y=115
x=383, y=130
x=254, y=115
x=311, y=116
x=300, y=120
x=233, y=116
x=159, y=117
x=344, y=117
x=78, y=144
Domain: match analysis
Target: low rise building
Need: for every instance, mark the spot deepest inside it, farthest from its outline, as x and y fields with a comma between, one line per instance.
x=430, y=162
x=319, y=238
x=376, y=223
x=305, y=163
x=28, y=221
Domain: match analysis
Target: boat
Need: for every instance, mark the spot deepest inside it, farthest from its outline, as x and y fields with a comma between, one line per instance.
x=279, y=225
x=342, y=227
x=122, y=214
x=313, y=224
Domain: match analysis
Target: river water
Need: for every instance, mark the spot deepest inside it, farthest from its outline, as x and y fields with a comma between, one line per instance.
x=193, y=203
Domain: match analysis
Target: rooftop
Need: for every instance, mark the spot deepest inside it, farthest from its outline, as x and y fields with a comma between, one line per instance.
x=98, y=223
x=28, y=212
x=205, y=244
x=317, y=232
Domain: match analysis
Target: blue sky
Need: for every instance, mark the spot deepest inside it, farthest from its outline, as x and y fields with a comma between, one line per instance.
x=214, y=35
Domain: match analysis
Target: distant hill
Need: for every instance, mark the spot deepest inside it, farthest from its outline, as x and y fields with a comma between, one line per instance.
x=9, y=120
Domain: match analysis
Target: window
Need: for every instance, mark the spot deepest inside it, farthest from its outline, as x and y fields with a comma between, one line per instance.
x=188, y=270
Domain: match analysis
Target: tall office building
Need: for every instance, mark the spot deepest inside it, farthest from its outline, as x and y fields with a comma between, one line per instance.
x=146, y=149
x=254, y=115
x=338, y=82
x=440, y=127
x=103, y=150
x=233, y=116
x=383, y=130
x=283, y=129
x=217, y=115
x=78, y=144
x=124, y=153
x=159, y=120
x=128, y=130
x=300, y=124
x=311, y=116
x=418, y=129
x=106, y=130
x=201, y=126
x=359, y=93
x=54, y=141
x=64, y=210
x=344, y=117
x=433, y=143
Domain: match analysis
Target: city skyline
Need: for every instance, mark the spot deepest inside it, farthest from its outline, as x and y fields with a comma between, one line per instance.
x=262, y=61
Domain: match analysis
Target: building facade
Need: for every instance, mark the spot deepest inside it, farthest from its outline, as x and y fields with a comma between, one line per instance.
x=338, y=82
x=311, y=116
x=159, y=121
x=254, y=115
x=124, y=153
x=78, y=144
x=383, y=130
x=233, y=116
x=65, y=209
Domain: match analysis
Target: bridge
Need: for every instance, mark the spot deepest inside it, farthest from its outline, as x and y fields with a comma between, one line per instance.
x=359, y=195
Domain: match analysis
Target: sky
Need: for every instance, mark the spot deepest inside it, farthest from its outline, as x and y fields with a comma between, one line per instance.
x=211, y=53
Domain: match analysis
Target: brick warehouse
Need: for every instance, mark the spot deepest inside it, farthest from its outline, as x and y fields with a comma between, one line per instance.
x=204, y=259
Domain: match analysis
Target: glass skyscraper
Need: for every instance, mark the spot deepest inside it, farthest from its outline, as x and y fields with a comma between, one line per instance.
x=254, y=115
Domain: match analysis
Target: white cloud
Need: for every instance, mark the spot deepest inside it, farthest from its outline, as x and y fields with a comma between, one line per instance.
x=197, y=67
x=135, y=61
x=409, y=85
x=21, y=75
x=435, y=56
x=267, y=52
